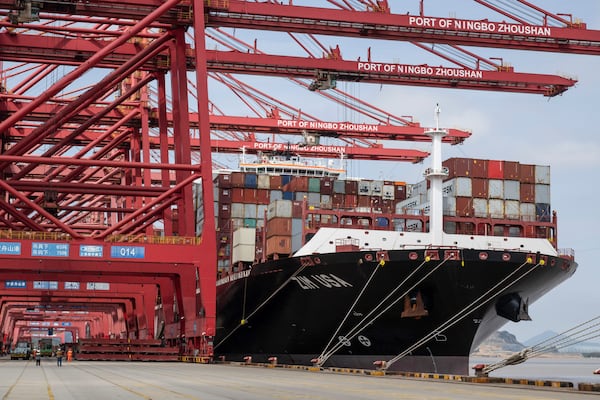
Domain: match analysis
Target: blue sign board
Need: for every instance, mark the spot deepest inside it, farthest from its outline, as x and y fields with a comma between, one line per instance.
x=14, y=284
x=50, y=249
x=127, y=251
x=90, y=250
x=10, y=248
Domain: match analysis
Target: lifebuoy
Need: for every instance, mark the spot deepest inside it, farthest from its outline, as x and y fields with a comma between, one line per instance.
x=483, y=255
x=505, y=257
x=413, y=255
x=368, y=257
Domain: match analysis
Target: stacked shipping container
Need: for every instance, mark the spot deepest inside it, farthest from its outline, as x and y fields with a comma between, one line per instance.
x=250, y=204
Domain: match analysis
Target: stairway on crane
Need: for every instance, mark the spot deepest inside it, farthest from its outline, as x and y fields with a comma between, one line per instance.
x=125, y=350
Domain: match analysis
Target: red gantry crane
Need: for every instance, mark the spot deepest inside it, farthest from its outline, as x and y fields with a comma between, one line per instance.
x=108, y=132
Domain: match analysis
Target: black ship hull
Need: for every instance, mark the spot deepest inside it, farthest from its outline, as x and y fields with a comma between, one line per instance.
x=432, y=307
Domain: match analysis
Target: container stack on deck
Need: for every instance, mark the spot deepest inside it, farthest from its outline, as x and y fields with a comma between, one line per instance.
x=259, y=216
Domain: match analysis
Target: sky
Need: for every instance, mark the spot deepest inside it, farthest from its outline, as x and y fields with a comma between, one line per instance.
x=562, y=132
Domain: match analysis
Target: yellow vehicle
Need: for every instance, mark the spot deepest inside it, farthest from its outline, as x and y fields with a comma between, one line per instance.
x=22, y=351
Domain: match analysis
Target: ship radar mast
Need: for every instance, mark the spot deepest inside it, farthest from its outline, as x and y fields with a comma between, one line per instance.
x=436, y=174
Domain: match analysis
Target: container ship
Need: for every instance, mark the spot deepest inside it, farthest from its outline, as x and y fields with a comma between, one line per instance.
x=319, y=270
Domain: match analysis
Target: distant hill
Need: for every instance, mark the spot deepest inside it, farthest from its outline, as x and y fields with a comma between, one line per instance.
x=498, y=344
x=504, y=343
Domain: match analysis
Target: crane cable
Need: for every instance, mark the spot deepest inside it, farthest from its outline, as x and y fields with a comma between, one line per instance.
x=362, y=324
x=551, y=344
x=379, y=264
x=567, y=338
x=244, y=320
x=474, y=305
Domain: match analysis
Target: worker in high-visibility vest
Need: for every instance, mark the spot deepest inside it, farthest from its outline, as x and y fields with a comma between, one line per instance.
x=70, y=355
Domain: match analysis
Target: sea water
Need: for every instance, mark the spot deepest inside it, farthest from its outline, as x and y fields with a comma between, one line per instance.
x=567, y=369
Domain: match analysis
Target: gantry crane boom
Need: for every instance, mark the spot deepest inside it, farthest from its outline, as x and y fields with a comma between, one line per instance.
x=61, y=50
x=575, y=38
x=296, y=126
x=321, y=151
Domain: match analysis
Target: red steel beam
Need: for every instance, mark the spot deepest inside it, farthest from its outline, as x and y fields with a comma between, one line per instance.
x=376, y=25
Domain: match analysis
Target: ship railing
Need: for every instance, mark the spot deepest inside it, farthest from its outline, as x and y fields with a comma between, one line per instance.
x=60, y=236
x=567, y=253
x=33, y=235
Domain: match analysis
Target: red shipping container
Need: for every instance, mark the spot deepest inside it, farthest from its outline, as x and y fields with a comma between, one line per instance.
x=225, y=195
x=238, y=179
x=464, y=207
x=511, y=170
x=279, y=245
x=376, y=203
x=351, y=187
x=364, y=201
x=400, y=192
x=263, y=196
x=225, y=211
x=224, y=180
x=388, y=206
x=237, y=195
x=496, y=169
x=327, y=185
x=527, y=193
x=279, y=227
x=479, y=169
x=527, y=173
x=296, y=209
x=458, y=167
x=479, y=188
x=275, y=182
x=350, y=200
x=337, y=200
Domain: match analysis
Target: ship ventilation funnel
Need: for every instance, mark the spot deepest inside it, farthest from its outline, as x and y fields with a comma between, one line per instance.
x=512, y=306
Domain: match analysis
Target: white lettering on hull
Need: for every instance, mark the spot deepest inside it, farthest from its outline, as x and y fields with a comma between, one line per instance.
x=320, y=281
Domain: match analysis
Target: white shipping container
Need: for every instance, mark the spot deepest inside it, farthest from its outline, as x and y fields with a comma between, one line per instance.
x=460, y=186
x=480, y=207
x=512, y=190
x=542, y=193
x=300, y=196
x=364, y=188
x=542, y=174
x=496, y=208
x=275, y=195
x=243, y=252
x=326, y=201
x=376, y=188
x=512, y=209
x=280, y=208
x=407, y=204
x=314, y=199
x=296, y=234
x=449, y=205
x=527, y=211
x=495, y=189
x=388, y=192
x=250, y=211
x=263, y=181
x=242, y=236
x=418, y=188
x=237, y=210
x=261, y=209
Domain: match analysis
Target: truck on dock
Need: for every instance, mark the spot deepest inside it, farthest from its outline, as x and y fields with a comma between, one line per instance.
x=22, y=350
x=46, y=347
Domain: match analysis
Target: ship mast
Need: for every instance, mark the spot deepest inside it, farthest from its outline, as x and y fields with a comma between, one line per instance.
x=436, y=174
